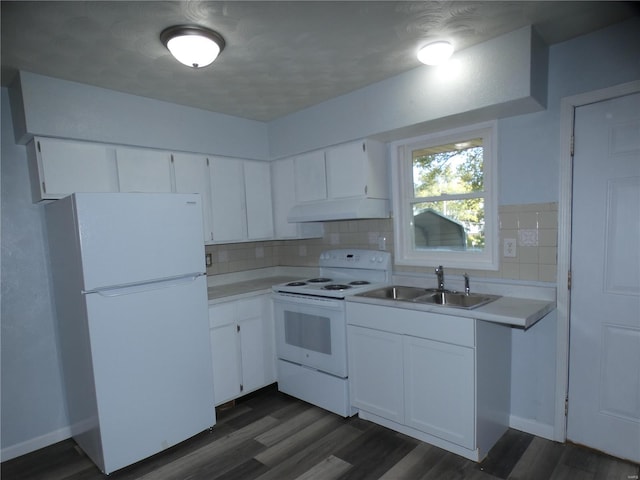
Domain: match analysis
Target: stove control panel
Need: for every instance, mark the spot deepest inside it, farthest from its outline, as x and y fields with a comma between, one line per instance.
x=356, y=258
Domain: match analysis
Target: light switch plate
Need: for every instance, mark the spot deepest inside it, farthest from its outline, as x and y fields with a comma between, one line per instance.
x=509, y=247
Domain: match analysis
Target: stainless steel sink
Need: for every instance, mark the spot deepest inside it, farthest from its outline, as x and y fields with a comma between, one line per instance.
x=430, y=296
x=396, y=292
x=456, y=299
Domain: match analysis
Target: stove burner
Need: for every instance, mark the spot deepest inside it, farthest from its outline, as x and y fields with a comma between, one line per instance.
x=296, y=284
x=336, y=286
x=359, y=282
x=319, y=280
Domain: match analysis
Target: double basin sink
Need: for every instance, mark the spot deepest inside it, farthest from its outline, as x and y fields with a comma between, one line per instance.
x=430, y=296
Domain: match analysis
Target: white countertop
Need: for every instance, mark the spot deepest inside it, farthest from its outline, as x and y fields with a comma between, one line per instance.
x=512, y=311
x=246, y=287
x=520, y=306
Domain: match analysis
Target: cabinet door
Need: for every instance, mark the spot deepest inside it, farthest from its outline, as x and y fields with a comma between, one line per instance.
x=284, y=198
x=257, y=185
x=347, y=171
x=226, y=363
x=310, y=177
x=192, y=176
x=375, y=372
x=228, y=199
x=252, y=348
x=143, y=170
x=440, y=390
x=61, y=167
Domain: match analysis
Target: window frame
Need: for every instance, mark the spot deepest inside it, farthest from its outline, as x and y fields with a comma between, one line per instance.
x=403, y=199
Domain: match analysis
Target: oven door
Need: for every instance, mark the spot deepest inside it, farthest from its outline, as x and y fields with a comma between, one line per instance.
x=311, y=331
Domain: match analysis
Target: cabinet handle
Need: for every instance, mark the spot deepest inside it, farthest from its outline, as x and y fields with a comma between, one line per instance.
x=364, y=148
x=39, y=149
x=238, y=328
x=241, y=387
x=366, y=188
x=44, y=188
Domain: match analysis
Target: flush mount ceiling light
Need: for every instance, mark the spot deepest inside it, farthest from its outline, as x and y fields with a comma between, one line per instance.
x=191, y=45
x=435, y=53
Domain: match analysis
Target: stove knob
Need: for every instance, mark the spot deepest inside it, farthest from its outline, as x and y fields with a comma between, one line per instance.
x=380, y=259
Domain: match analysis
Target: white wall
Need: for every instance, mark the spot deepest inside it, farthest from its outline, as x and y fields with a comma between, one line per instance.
x=32, y=400
x=58, y=108
x=529, y=159
x=502, y=77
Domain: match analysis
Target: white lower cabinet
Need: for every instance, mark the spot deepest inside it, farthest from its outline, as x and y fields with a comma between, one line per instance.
x=448, y=410
x=242, y=346
x=440, y=378
x=375, y=372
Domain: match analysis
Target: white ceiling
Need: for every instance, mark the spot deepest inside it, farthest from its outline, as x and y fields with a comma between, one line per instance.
x=280, y=57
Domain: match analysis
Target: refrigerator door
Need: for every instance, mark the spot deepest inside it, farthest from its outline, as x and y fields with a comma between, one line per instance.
x=129, y=238
x=152, y=369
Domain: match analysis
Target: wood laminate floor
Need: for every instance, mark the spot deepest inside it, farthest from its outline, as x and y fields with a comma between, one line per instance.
x=270, y=435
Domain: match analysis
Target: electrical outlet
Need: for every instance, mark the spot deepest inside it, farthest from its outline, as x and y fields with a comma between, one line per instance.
x=208, y=260
x=509, y=247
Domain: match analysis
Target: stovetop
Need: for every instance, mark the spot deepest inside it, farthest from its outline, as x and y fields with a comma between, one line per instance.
x=344, y=272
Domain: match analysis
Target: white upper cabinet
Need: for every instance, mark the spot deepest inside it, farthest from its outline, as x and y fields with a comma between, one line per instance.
x=284, y=198
x=143, y=170
x=310, y=177
x=344, y=182
x=192, y=176
x=228, y=199
x=357, y=169
x=237, y=194
x=60, y=167
x=257, y=187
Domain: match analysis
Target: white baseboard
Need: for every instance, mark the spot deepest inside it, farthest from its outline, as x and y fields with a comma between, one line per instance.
x=532, y=426
x=34, y=444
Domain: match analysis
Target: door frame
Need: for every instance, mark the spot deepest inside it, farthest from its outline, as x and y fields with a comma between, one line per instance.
x=568, y=106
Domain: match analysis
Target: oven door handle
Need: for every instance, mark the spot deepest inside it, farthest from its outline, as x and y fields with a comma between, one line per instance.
x=292, y=298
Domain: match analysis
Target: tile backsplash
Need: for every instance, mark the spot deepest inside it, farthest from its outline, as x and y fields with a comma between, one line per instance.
x=532, y=227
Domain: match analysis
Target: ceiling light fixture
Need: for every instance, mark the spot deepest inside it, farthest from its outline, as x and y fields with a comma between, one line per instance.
x=192, y=45
x=435, y=53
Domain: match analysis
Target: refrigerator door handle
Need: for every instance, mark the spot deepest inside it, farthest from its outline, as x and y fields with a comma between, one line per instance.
x=119, y=290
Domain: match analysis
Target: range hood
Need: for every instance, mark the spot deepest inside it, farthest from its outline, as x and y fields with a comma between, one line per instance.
x=341, y=209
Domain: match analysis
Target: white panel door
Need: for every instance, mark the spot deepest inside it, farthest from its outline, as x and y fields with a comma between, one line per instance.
x=604, y=377
x=143, y=170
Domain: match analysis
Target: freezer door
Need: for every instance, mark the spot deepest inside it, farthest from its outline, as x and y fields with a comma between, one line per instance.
x=152, y=368
x=128, y=238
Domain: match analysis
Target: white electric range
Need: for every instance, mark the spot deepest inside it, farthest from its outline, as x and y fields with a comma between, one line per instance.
x=311, y=330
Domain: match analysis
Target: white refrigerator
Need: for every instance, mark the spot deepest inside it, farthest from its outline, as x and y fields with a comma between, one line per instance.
x=130, y=293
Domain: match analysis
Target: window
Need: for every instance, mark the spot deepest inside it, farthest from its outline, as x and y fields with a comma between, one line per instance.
x=445, y=201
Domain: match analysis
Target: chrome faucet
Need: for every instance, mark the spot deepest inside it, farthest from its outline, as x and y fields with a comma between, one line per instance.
x=467, y=290
x=440, y=274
